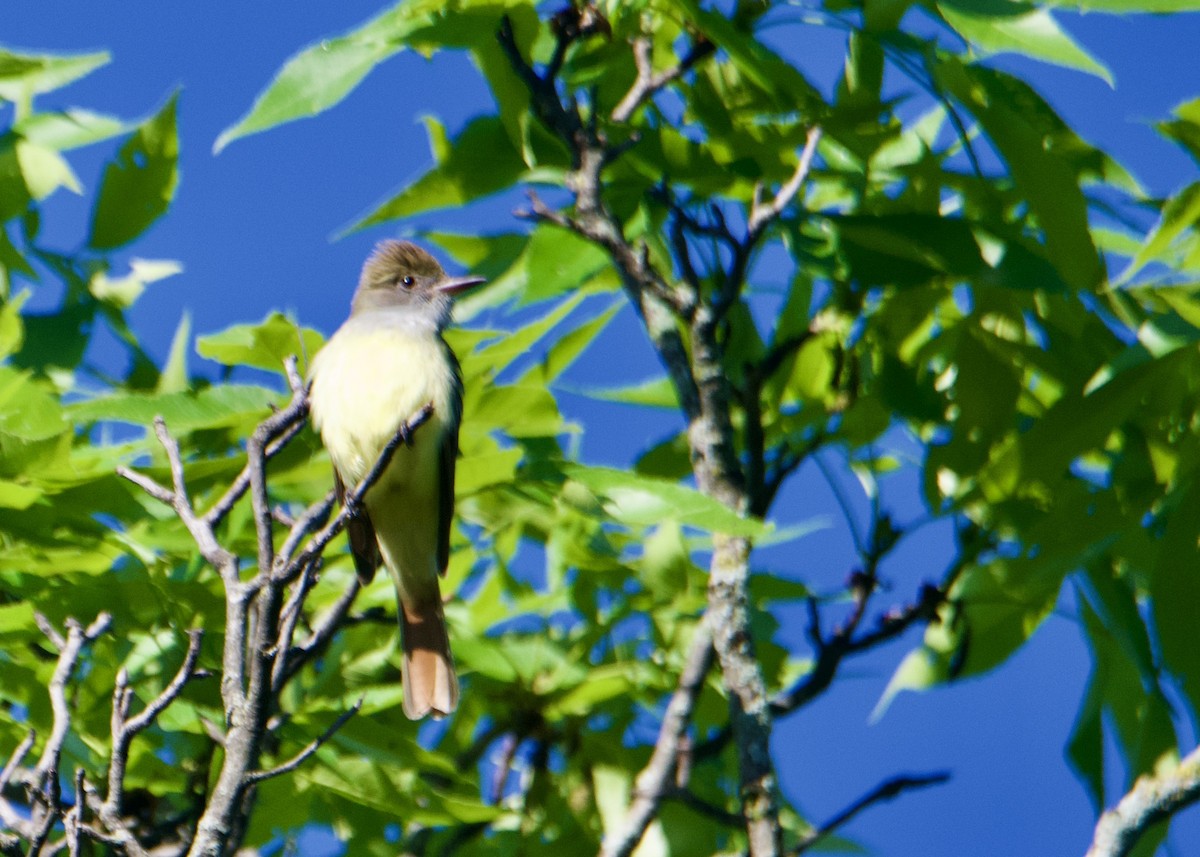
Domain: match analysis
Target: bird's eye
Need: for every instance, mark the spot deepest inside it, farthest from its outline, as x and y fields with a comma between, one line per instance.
x=407, y=282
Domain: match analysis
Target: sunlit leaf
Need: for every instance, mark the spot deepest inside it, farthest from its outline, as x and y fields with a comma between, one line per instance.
x=139, y=183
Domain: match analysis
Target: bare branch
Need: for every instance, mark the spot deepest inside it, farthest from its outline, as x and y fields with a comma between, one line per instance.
x=1154, y=797
x=657, y=780
x=287, y=423
x=885, y=791
x=46, y=791
x=237, y=489
x=831, y=652
x=314, y=515
x=18, y=756
x=70, y=648
x=158, y=492
x=74, y=818
x=125, y=728
x=320, y=635
x=177, y=499
x=762, y=213
x=648, y=81
x=312, y=747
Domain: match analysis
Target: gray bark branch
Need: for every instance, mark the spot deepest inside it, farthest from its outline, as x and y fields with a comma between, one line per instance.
x=1153, y=798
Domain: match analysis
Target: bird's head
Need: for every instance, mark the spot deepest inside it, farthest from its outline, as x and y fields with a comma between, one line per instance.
x=399, y=274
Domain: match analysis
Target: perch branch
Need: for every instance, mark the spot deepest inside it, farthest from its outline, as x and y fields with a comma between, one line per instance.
x=353, y=498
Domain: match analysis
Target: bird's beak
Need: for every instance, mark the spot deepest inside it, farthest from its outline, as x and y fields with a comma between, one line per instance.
x=457, y=285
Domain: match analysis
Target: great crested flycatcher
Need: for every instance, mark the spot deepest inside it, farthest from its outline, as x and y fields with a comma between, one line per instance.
x=380, y=368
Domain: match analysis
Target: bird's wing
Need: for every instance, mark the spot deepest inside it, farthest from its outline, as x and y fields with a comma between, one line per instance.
x=447, y=461
x=361, y=534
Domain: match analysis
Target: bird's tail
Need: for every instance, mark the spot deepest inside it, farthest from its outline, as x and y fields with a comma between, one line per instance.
x=427, y=668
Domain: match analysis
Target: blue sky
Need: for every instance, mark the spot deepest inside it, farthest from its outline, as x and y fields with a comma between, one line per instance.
x=253, y=228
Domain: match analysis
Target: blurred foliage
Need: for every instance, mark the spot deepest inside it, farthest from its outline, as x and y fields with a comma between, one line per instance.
x=971, y=274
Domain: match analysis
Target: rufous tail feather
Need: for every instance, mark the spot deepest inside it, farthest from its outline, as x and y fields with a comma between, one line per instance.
x=427, y=668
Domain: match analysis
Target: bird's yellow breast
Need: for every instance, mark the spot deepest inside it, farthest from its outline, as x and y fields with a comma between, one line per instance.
x=369, y=378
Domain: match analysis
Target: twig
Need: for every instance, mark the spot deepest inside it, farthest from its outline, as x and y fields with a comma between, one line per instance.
x=46, y=790
x=762, y=213
x=18, y=756
x=299, y=528
x=74, y=818
x=1152, y=799
x=649, y=82
x=353, y=498
x=177, y=498
x=508, y=751
x=288, y=423
x=831, y=652
x=694, y=802
x=657, y=779
x=288, y=618
x=759, y=217
x=125, y=728
x=883, y=792
x=312, y=747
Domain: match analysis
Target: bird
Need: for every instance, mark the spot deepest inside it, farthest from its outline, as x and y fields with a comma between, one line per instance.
x=379, y=369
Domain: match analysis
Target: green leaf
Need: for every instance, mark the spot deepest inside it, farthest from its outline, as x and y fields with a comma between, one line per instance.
x=322, y=74
x=557, y=260
x=643, y=501
x=1030, y=136
x=570, y=346
x=479, y=471
x=1184, y=129
x=14, y=495
x=908, y=249
x=26, y=75
x=174, y=377
x=1174, y=586
x=263, y=345
x=16, y=618
x=44, y=170
x=1085, y=748
x=490, y=360
x=656, y=392
x=12, y=328
x=1002, y=26
x=124, y=291
x=68, y=129
x=666, y=561
x=1181, y=213
x=139, y=184
x=456, y=180
x=771, y=73
x=520, y=410
x=212, y=407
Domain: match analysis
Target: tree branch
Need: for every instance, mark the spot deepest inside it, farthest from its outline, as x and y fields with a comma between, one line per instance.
x=762, y=213
x=46, y=793
x=1152, y=799
x=657, y=779
x=883, y=792
x=698, y=373
x=125, y=728
x=648, y=81
x=296, y=761
x=353, y=498
x=291, y=420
